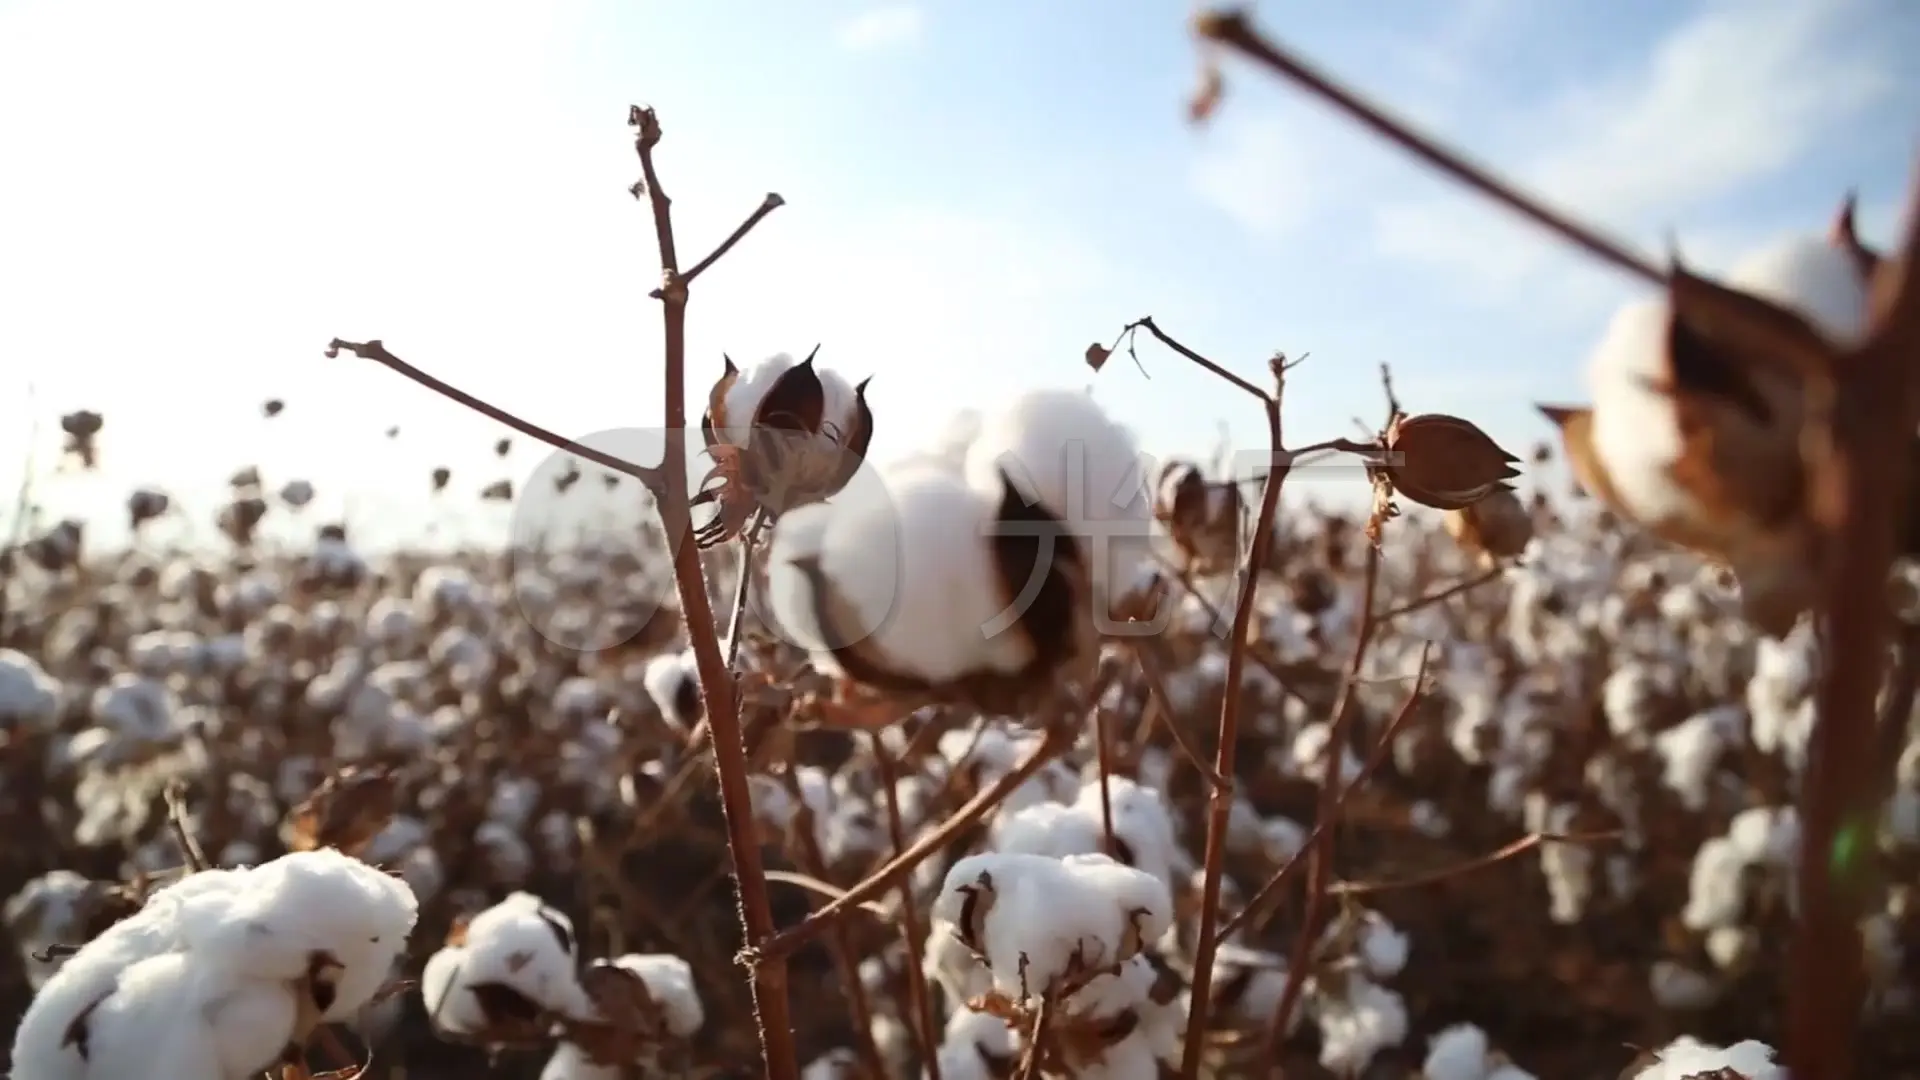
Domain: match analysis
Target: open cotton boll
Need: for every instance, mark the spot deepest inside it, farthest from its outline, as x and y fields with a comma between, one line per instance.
x=89, y=975
x=1687, y=1056
x=1040, y=921
x=184, y=1017
x=1457, y=1053
x=911, y=558
x=1357, y=1024
x=670, y=980
x=742, y=399
x=1063, y=451
x=671, y=682
x=1810, y=275
x=976, y=1046
x=310, y=905
x=518, y=951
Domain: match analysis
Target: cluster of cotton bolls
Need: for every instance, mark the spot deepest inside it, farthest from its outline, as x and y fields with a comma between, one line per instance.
x=515, y=736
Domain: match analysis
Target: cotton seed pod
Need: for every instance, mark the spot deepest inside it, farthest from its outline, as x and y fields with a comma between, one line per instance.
x=781, y=435
x=1201, y=517
x=924, y=587
x=1494, y=528
x=1445, y=462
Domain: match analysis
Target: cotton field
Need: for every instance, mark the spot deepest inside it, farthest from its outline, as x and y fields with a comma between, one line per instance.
x=1019, y=755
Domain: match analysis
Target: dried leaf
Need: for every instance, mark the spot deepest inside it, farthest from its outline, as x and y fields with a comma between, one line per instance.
x=1097, y=355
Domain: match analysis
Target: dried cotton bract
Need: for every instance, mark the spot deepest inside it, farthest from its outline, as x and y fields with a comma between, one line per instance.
x=922, y=585
x=1695, y=428
x=1202, y=517
x=781, y=435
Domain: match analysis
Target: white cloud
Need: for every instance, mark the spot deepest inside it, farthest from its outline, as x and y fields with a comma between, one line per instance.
x=1731, y=97
x=890, y=27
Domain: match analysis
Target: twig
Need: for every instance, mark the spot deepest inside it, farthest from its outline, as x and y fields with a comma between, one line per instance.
x=1056, y=740
x=1502, y=854
x=1320, y=848
x=1382, y=747
x=771, y=1008
x=925, y=1032
x=176, y=797
x=1233, y=30
x=1160, y=705
x=1220, y=799
x=376, y=351
x=1439, y=596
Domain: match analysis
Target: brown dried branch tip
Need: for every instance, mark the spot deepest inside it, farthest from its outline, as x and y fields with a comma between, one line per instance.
x=347, y=810
x=82, y=429
x=781, y=435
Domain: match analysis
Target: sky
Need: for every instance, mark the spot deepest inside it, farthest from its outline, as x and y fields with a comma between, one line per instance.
x=198, y=196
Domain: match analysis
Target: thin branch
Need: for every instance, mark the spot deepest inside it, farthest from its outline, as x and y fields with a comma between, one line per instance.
x=1502, y=854
x=1233, y=30
x=772, y=202
x=1440, y=595
x=1220, y=804
x=772, y=1010
x=176, y=797
x=1056, y=740
x=376, y=351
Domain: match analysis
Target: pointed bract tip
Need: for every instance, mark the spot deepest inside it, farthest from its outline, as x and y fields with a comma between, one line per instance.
x=1559, y=414
x=808, y=362
x=732, y=368
x=1843, y=229
x=860, y=387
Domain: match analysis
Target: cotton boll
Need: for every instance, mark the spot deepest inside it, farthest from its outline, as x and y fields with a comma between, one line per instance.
x=1687, y=1057
x=91, y=974
x=174, y=1016
x=569, y=1062
x=517, y=960
x=1062, y=449
x=308, y=905
x=976, y=1046
x=1036, y=919
x=1357, y=1024
x=674, y=686
x=910, y=558
x=670, y=980
x=1457, y=1053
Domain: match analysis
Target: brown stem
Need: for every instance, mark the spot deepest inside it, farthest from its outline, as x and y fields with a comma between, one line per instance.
x=1233, y=30
x=1220, y=801
x=176, y=797
x=1874, y=422
x=1320, y=848
x=376, y=351
x=772, y=1011
x=925, y=1032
